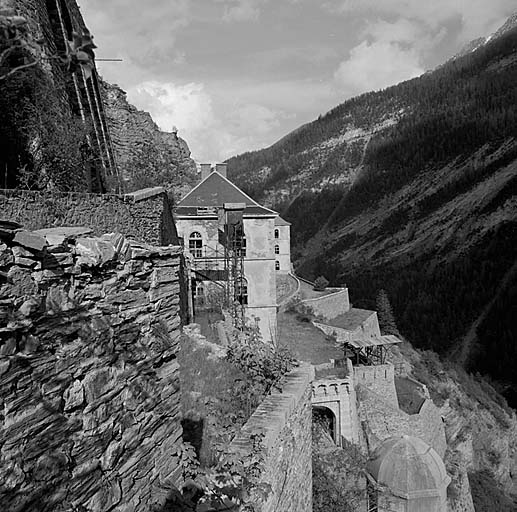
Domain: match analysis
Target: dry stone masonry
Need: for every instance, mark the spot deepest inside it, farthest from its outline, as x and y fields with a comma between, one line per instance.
x=144, y=215
x=89, y=384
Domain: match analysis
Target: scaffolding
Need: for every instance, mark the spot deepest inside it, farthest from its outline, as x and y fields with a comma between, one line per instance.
x=223, y=264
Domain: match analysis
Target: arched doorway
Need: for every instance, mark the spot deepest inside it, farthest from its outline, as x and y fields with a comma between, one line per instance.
x=325, y=419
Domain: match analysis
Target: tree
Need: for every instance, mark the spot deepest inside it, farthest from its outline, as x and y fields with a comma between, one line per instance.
x=387, y=321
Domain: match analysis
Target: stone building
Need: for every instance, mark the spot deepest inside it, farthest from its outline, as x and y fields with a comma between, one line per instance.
x=252, y=283
x=282, y=246
x=59, y=96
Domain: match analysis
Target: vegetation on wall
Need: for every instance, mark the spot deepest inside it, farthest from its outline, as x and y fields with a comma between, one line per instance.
x=41, y=145
x=220, y=391
x=338, y=480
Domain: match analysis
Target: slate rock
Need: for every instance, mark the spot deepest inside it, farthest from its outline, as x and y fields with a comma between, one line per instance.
x=92, y=251
x=30, y=240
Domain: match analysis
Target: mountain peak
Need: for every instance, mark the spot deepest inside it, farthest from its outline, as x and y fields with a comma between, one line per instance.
x=510, y=24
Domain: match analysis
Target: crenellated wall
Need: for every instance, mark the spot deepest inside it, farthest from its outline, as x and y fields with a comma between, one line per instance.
x=89, y=382
x=285, y=419
x=379, y=379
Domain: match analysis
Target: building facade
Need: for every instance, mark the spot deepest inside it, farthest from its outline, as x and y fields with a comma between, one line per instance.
x=243, y=273
x=282, y=246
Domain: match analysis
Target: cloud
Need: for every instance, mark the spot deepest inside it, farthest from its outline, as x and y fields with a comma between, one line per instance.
x=241, y=10
x=390, y=53
x=144, y=36
x=213, y=131
x=477, y=17
x=373, y=66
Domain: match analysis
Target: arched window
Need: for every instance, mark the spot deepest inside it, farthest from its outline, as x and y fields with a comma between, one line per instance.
x=277, y=265
x=241, y=292
x=277, y=249
x=195, y=244
x=277, y=233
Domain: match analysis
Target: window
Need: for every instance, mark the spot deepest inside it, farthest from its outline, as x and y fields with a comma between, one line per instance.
x=277, y=249
x=277, y=265
x=276, y=233
x=241, y=292
x=195, y=244
x=241, y=246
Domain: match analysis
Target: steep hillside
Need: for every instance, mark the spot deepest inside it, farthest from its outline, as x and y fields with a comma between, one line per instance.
x=146, y=156
x=413, y=189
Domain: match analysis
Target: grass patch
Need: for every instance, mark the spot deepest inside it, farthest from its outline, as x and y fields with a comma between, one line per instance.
x=207, y=384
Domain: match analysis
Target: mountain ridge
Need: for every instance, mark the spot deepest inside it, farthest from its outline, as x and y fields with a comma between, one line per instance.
x=420, y=202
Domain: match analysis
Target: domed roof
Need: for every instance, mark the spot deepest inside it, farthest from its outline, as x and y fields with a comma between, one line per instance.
x=409, y=467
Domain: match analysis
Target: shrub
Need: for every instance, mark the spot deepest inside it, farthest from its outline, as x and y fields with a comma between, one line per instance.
x=320, y=284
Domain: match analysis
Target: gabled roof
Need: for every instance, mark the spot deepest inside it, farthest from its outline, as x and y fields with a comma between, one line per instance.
x=281, y=222
x=216, y=190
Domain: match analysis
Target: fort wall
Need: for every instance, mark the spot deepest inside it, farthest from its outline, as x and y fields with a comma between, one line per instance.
x=379, y=379
x=285, y=420
x=144, y=215
x=330, y=306
x=89, y=381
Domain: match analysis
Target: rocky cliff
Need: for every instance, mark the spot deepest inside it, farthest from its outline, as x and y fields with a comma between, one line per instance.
x=146, y=156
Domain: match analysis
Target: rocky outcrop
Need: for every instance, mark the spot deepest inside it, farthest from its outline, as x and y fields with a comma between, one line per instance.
x=89, y=381
x=146, y=156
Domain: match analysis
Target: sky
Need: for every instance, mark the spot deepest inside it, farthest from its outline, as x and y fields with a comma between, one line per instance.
x=237, y=75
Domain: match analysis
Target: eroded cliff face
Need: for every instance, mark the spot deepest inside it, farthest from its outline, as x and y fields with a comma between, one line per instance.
x=146, y=156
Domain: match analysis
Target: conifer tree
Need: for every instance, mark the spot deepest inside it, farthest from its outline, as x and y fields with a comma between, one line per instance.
x=385, y=314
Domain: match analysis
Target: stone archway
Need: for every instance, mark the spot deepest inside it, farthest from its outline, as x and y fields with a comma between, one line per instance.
x=327, y=418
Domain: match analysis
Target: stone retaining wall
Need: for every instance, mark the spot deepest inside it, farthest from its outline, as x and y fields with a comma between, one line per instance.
x=89, y=382
x=285, y=419
x=144, y=215
x=330, y=306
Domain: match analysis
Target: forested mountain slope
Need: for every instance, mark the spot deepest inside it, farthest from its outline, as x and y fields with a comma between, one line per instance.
x=413, y=189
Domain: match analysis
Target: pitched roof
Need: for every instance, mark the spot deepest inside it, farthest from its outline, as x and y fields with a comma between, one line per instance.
x=281, y=222
x=216, y=190
x=351, y=320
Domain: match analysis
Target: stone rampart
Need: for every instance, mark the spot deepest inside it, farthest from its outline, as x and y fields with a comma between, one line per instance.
x=381, y=421
x=379, y=379
x=330, y=306
x=89, y=382
x=285, y=420
x=144, y=215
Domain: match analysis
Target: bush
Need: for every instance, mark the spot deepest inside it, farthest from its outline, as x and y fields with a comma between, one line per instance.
x=320, y=284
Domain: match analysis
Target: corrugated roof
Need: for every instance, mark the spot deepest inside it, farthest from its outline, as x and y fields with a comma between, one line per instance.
x=374, y=342
x=351, y=320
x=281, y=222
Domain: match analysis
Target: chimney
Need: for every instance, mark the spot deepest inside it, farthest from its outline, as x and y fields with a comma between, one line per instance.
x=206, y=169
x=221, y=169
